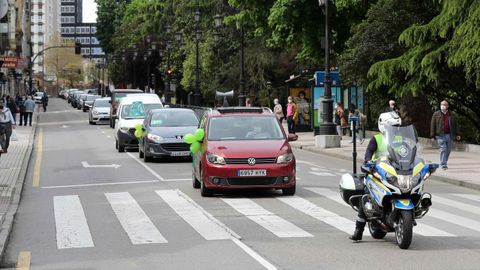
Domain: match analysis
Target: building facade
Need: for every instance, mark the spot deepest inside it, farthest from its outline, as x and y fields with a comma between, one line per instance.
x=74, y=29
x=45, y=25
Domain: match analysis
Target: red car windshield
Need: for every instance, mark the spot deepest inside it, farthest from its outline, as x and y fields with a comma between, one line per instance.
x=244, y=128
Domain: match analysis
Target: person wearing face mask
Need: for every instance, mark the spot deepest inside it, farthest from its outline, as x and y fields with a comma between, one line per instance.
x=291, y=115
x=278, y=110
x=444, y=129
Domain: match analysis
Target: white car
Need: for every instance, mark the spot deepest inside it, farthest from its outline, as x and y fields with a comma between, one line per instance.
x=100, y=112
x=37, y=97
x=132, y=111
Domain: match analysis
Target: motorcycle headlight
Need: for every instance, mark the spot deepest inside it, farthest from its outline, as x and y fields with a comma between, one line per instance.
x=285, y=158
x=405, y=183
x=215, y=159
x=153, y=137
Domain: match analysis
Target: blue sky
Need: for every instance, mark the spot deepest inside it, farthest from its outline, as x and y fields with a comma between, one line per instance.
x=89, y=11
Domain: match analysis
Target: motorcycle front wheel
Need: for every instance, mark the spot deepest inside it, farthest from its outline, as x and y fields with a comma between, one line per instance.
x=404, y=229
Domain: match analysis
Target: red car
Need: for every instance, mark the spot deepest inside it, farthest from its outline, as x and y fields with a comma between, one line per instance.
x=244, y=147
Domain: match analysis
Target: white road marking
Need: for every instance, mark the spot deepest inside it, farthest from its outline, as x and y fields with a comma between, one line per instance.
x=177, y=180
x=421, y=228
x=103, y=132
x=472, y=197
x=109, y=136
x=102, y=184
x=315, y=169
x=455, y=219
x=61, y=123
x=319, y=213
x=150, y=170
x=205, y=225
x=456, y=204
x=254, y=254
x=322, y=173
x=86, y=165
x=72, y=229
x=310, y=163
x=133, y=219
x=275, y=224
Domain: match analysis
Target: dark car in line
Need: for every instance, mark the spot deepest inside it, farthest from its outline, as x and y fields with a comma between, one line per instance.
x=87, y=102
x=163, y=131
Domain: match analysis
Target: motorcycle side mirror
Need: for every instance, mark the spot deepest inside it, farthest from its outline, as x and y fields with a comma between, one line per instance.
x=432, y=168
x=368, y=167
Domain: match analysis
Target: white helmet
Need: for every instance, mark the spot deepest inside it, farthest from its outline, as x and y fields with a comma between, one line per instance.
x=388, y=118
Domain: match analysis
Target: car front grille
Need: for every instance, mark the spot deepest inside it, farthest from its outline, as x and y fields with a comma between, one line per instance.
x=175, y=147
x=252, y=181
x=245, y=160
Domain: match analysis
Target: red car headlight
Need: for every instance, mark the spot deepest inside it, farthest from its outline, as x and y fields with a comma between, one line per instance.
x=215, y=159
x=285, y=158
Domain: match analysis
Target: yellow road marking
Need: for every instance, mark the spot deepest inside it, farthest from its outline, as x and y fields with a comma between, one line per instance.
x=23, y=262
x=38, y=162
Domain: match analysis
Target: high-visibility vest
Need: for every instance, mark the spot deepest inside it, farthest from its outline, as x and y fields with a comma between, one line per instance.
x=381, y=146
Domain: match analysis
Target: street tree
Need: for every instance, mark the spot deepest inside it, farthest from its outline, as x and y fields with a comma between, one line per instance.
x=441, y=61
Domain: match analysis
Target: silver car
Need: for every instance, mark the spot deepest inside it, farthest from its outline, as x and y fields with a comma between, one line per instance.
x=100, y=112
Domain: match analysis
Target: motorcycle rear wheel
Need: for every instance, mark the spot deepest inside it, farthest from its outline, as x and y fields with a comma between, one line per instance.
x=375, y=230
x=404, y=229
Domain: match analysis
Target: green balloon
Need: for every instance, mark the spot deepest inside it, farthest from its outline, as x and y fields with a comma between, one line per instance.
x=189, y=138
x=138, y=133
x=195, y=147
x=199, y=134
x=138, y=126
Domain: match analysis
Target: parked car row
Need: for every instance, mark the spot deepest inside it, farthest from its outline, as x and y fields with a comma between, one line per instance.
x=87, y=100
x=242, y=147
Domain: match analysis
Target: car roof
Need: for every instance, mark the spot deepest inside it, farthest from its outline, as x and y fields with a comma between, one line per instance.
x=143, y=98
x=127, y=90
x=229, y=111
x=171, y=109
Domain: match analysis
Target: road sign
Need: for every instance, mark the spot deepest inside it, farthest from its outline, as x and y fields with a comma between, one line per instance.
x=9, y=62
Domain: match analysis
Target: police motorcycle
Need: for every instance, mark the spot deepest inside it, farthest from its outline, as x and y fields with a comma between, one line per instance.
x=391, y=190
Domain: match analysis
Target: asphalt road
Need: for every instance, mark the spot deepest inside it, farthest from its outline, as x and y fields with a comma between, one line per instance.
x=74, y=215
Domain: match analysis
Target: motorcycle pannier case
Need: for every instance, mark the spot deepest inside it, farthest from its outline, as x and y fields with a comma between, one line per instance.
x=351, y=185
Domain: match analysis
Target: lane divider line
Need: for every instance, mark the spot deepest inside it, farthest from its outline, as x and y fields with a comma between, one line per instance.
x=38, y=162
x=23, y=261
x=102, y=184
x=147, y=167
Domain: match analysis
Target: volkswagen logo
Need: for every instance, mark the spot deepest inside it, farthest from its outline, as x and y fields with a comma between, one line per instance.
x=251, y=161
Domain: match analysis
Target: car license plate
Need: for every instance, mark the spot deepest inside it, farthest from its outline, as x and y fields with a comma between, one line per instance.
x=247, y=173
x=180, y=154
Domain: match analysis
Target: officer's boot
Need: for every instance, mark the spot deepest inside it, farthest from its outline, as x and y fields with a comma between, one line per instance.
x=357, y=235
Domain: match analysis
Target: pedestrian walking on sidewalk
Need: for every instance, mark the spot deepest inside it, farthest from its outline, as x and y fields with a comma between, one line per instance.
x=45, y=101
x=278, y=110
x=21, y=109
x=29, y=105
x=12, y=106
x=340, y=119
x=444, y=129
x=291, y=115
x=7, y=123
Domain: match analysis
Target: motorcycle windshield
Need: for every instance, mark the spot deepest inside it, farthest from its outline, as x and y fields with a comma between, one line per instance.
x=401, y=145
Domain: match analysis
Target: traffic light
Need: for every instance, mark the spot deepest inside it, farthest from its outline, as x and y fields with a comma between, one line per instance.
x=78, y=48
x=169, y=72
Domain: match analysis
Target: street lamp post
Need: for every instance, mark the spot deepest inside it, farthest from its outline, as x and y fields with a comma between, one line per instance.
x=327, y=127
x=197, y=59
x=168, y=94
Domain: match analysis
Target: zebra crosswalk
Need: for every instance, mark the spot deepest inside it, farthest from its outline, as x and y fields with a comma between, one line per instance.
x=316, y=204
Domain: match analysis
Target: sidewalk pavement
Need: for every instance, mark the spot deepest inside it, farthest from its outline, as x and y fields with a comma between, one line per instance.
x=463, y=167
x=13, y=169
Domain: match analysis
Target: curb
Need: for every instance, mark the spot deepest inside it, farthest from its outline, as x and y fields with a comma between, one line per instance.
x=461, y=183
x=7, y=224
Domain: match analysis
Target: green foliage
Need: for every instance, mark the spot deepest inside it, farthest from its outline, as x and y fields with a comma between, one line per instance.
x=441, y=60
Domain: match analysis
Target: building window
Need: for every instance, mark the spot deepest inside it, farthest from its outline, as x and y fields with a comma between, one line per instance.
x=94, y=30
